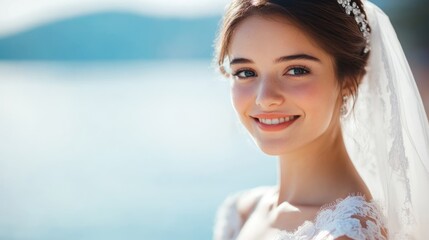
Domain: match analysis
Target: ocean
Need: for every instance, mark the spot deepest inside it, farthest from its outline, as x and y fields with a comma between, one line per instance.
x=125, y=150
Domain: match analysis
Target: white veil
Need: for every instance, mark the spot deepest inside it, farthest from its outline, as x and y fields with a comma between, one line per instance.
x=387, y=134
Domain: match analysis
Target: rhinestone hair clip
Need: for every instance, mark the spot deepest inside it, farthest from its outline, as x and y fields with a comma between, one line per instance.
x=363, y=24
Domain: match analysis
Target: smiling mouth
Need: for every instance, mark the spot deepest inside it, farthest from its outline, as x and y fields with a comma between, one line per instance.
x=276, y=121
x=274, y=124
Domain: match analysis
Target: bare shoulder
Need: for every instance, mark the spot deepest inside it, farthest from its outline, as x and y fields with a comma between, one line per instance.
x=249, y=199
x=234, y=212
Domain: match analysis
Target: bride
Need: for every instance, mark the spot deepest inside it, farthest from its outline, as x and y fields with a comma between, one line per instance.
x=325, y=86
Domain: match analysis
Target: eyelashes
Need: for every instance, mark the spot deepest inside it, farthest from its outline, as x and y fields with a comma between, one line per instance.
x=244, y=73
x=294, y=71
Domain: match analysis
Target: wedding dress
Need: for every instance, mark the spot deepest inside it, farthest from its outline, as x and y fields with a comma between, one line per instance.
x=387, y=137
x=352, y=216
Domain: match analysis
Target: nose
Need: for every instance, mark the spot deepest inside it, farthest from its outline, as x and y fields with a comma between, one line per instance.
x=269, y=93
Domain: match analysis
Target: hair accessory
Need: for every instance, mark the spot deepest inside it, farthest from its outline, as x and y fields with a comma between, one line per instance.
x=360, y=19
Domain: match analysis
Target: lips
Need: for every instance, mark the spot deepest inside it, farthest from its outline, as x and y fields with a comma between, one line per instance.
x=274, y=122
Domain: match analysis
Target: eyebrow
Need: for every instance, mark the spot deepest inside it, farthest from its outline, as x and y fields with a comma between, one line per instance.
x=278, y=60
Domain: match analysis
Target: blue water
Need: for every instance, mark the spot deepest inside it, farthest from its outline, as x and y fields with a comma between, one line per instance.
x=142, y=150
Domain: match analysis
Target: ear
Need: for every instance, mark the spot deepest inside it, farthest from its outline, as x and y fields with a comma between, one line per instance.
x=348, y=87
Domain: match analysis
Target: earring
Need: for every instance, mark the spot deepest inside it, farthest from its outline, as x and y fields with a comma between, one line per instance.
x=343, y=109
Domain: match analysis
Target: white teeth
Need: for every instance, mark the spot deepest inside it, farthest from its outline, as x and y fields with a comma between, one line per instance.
x=275, y=121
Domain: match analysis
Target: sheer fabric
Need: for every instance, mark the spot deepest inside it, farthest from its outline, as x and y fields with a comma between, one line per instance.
x=387, y=134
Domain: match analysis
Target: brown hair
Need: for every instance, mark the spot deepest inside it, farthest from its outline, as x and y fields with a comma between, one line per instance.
x=323, y=20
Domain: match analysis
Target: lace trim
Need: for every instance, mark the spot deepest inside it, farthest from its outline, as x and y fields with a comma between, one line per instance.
x=352, y=216
x=342, y=218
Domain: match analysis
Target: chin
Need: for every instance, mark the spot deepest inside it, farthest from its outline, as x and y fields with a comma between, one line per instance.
x=273, y=149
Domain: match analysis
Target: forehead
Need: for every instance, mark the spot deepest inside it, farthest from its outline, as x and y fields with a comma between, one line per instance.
x=271, y=37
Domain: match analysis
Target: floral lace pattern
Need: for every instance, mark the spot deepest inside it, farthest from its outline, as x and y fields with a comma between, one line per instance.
x=353, y=217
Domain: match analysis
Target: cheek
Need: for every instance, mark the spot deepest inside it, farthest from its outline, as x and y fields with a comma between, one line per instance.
x=241, y=97
x=316, y=99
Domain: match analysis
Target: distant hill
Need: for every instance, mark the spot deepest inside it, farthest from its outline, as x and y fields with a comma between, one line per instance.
x=114, y=36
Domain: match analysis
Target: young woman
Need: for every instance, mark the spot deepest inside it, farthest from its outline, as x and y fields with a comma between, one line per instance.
x=324, y=85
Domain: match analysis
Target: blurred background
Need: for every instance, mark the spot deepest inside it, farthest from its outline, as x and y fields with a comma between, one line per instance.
x=115, y=125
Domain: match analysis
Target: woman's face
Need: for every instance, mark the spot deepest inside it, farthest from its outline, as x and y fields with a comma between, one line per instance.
x=284, y=87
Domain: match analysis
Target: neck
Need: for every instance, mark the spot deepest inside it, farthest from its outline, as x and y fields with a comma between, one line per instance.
x=318, y=174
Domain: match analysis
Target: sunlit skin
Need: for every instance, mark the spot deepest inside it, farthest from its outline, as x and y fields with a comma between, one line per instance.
x=278, y=71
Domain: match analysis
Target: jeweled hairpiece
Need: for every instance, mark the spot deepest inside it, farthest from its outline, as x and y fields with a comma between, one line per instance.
x=363, y=24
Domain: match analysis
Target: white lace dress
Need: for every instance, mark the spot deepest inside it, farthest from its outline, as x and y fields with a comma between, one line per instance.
x=352, y=216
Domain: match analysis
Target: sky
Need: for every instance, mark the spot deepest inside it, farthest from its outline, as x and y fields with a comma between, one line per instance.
x=19, y=15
